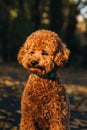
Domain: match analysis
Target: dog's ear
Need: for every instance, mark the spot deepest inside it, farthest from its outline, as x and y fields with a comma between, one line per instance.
x=20, y=55
x=62, y=55
x=23, y=51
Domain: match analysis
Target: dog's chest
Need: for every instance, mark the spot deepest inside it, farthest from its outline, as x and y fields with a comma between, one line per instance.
x=45, y=98
x=42, y=90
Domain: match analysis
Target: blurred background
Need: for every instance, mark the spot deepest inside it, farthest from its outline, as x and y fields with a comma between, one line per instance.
x=18, y=19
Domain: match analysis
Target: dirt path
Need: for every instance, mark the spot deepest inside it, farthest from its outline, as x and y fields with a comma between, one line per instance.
x=12, y=82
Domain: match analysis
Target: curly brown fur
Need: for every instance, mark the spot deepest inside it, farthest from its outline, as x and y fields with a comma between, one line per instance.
x=44, y=102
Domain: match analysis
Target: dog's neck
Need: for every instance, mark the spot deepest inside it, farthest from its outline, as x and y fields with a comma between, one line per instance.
x=50, y=75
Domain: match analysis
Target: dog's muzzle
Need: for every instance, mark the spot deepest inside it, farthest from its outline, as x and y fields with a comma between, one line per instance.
x=34, y=63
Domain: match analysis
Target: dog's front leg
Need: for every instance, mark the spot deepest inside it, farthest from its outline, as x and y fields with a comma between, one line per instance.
x=55, y=126
x=26, y=119
x=26, y=124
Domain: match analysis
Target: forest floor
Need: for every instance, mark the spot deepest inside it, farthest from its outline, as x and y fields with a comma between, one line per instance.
x=12, y=81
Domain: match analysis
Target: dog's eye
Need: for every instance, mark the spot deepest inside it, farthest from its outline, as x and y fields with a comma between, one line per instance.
x=32, y=52
x=44, y=53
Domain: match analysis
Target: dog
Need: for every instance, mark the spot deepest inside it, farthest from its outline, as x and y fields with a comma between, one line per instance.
x=44, y=103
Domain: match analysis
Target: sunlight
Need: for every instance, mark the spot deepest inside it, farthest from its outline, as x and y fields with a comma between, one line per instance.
x=80, y=18
x=75, y=89
x=45, y=21
x=83, y=11
x=76, y=1
x=13, y=13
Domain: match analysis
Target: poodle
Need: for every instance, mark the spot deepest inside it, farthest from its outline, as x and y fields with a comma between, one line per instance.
x=44, y=103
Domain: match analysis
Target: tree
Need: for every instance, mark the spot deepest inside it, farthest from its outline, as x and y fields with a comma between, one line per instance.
x=56, y=20
x=4, y=22
x=35, y=14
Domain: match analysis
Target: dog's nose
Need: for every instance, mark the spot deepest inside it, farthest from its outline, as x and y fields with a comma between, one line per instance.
x=34, y=63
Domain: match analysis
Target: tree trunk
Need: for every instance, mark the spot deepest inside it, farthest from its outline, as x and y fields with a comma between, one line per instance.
x=4, y=23
x=21, y=4
x=56, y=15
x=70, y=38
x=4, y=41
x=35, y=14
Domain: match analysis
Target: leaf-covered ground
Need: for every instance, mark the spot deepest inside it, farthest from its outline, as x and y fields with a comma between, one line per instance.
x=12, y=82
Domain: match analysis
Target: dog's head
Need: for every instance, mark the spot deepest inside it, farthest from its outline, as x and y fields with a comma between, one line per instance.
x=42, y=52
